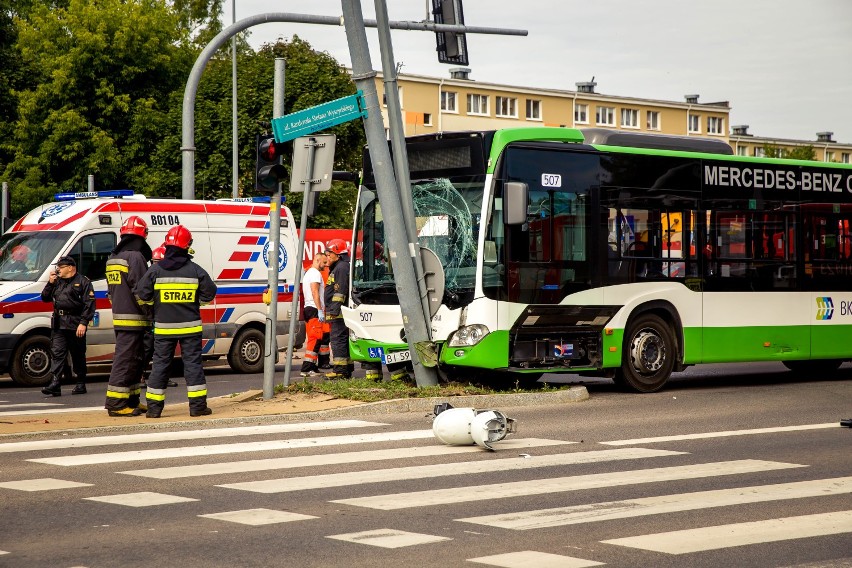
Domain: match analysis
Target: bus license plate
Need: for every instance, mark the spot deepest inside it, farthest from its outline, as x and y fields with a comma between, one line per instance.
x=396, y=357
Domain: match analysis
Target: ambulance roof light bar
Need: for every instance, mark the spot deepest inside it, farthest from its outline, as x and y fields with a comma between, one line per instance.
x=256, y=199
x=93, y=194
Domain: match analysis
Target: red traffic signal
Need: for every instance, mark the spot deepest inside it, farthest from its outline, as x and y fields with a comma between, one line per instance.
x=268, y=172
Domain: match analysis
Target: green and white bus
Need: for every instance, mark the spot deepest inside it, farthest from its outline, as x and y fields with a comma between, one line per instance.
x=613, y=254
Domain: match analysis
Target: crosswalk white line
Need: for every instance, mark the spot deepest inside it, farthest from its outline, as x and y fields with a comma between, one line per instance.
x=131, y=439
x=722, y=434
x=193, y=451
x=534, y=559
x=49, y=411
x=285, y=484
x=29, y=405
x=315, y=460
x=606, y=511
x=741, y=534
x=560, y=484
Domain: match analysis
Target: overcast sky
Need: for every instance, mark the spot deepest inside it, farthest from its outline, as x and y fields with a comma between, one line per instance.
x=785, y=66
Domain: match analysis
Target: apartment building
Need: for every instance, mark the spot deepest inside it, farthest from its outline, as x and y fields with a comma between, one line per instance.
x=457, y=102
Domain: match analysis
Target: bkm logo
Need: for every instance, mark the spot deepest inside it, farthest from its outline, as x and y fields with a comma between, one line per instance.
x=825, y=308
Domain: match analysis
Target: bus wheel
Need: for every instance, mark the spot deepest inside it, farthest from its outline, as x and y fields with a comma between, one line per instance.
x=246, y=355
x=31, y=362
x=816, y=367
x=649, y=354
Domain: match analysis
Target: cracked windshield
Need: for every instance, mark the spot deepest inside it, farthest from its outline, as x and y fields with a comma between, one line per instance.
x=447, y=221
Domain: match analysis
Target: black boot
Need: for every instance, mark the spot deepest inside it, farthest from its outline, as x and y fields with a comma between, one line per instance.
x=79, y=389
x=54, y=388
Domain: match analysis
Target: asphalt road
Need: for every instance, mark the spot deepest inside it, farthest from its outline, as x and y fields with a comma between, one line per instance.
x=631, y=474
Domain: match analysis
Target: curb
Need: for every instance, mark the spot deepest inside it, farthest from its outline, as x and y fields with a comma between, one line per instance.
x=497, y=401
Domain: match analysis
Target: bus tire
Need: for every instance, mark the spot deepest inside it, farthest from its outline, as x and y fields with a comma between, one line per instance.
x=816, y=366
x=649, y=354
x=246, y=354
x=31, y=362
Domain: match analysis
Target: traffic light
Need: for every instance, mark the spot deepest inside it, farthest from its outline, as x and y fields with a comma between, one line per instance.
x=452, y=46
x=269, y=172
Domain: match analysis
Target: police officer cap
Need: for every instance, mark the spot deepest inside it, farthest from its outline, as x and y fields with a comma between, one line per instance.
x=66, y=261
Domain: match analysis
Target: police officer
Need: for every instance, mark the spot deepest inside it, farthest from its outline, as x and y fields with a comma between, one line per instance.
x=125, y=267
x=177, y=288
x=337, y=295
x=73, y=308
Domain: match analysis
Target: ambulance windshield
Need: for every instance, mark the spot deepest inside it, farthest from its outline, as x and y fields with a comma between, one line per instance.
x=25, y=256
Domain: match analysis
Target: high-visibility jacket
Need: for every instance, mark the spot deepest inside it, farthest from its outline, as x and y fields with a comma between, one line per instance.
x=123, y=271
x=177, y=296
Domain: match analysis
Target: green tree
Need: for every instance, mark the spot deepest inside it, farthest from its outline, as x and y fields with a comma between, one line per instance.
x=796, y=153
x=102, y=71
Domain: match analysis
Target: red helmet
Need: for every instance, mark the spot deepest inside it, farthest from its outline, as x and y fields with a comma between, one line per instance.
x=20, y=253
x=178, y=236
x=135, y=225
x=158, y=253
x=337, y=246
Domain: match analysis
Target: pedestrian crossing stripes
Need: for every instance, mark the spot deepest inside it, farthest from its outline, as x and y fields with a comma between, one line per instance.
x=740, y=534
x=194, y=451
x=315, y=460
x=560, y=484
x=440, y=470
x=595, y=512
x=149, y=437
x=723, y=434
x=49, y=411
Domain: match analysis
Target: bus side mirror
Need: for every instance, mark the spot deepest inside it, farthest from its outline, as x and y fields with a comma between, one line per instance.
x=515, y=198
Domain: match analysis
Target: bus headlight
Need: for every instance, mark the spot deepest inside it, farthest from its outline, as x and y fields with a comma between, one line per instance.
x=468, y=335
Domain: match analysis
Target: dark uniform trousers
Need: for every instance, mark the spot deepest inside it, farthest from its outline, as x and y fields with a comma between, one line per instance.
x=339, y=338
x=125, y=385
x=63, y=342
x=193, y=371
x=398, y=371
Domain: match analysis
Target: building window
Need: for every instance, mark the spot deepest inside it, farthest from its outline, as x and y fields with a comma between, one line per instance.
x=844, y=157
x=742, y=150
x=829, y=156
x=477, y=104
x=427, y=119
x=605, y=116
x=759, y=152
x=506, y=107
x=581, y=114
x=653, y=120
x=629, y=118
x=385, y=97
x=448, y=101
x=715, y=125
x=533, y=109
x=694, y=122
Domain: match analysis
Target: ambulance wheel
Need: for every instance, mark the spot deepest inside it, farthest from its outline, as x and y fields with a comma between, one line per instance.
x=246, y=355
x=649, y=354
x=31, y=362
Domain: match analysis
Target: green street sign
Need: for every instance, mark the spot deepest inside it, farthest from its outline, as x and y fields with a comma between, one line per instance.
x=320, y=117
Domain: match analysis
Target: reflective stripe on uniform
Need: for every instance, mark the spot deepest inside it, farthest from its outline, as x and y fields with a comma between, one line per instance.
x=156, y=394
x=130, y=323
x=196, y=391
x=176, y=284
x=337, y=298
x=342, y=361
x=117, y=264
x=177, y=330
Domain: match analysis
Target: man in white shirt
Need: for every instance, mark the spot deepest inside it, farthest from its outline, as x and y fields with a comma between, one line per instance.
x=313, y=285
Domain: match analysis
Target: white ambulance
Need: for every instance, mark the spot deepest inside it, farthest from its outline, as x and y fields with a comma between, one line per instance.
x=230, y=241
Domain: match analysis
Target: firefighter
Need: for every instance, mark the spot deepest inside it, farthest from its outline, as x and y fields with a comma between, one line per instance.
x=125, y=267
x=73, y=308
x=337, y=295
x=148, y=339
x=177, y=288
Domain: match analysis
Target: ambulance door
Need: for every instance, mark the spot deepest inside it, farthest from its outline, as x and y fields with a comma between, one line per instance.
x=91, y=252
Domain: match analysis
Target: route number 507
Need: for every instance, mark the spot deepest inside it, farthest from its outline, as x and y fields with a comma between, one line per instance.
x=366, y=316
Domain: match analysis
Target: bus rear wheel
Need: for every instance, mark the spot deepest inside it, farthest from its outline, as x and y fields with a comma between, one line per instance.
x=649, y=354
